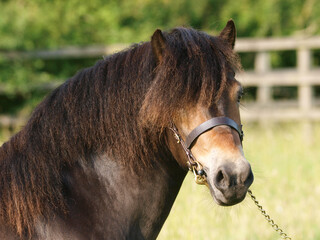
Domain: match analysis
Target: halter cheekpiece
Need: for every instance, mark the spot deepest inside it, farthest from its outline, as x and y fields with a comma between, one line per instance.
x=193, y=164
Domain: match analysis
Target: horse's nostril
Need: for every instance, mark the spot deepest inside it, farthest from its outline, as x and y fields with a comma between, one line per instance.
x=219, y=176
x=221, y=180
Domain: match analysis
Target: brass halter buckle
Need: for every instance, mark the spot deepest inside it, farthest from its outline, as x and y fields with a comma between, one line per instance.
x=197, y=169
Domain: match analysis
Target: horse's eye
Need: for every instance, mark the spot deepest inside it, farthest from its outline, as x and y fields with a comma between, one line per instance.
x=240, y=94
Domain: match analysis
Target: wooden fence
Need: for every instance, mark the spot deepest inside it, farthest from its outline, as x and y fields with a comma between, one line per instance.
x=304, y=76
x=264, y=108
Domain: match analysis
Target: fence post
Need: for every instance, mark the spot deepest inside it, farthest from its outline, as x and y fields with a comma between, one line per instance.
x=305, y=91
x=262, y=66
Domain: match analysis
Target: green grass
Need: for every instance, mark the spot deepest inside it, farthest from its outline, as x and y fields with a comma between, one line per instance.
x=287, y=184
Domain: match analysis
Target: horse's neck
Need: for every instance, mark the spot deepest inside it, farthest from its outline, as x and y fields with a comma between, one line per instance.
x=115, y=200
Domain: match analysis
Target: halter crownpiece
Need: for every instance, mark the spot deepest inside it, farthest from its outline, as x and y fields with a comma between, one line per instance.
x=193, y=164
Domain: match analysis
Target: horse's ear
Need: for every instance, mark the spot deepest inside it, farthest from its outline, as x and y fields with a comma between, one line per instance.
x=158, y=43
x=229, y=33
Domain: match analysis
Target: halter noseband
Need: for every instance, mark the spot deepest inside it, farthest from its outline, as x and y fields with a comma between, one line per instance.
x=193, y=164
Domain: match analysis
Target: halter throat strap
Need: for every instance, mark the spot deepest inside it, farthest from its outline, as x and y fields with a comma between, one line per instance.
x=211, y=123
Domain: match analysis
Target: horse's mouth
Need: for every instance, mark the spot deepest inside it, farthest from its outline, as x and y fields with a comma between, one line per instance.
x=228, y=199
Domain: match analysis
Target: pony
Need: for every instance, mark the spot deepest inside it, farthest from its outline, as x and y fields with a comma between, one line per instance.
x=98, y=160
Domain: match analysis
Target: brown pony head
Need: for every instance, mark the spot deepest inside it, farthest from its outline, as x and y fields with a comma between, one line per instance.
x=195, y=81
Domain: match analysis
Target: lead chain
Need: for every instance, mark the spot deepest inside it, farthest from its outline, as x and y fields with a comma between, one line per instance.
x=282, y=234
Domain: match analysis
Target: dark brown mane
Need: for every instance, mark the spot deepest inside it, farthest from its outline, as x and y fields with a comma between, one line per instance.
x=112, y=108
x=193, y=69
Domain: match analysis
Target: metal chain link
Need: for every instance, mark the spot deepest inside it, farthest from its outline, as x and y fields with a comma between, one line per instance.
x=282, y=234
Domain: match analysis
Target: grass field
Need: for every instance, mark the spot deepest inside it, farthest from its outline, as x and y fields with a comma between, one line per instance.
x=287, y=184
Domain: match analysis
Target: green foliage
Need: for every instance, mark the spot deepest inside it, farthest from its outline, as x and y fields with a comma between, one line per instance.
x=34, y=24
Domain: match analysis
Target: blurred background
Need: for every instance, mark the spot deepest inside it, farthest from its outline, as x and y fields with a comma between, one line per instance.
x=42, y=43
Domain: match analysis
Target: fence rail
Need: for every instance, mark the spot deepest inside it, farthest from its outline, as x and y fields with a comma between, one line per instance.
x=304, y=76
x=67, y=52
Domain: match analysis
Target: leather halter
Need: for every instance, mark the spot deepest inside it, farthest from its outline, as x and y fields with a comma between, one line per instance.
x=193, y=164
